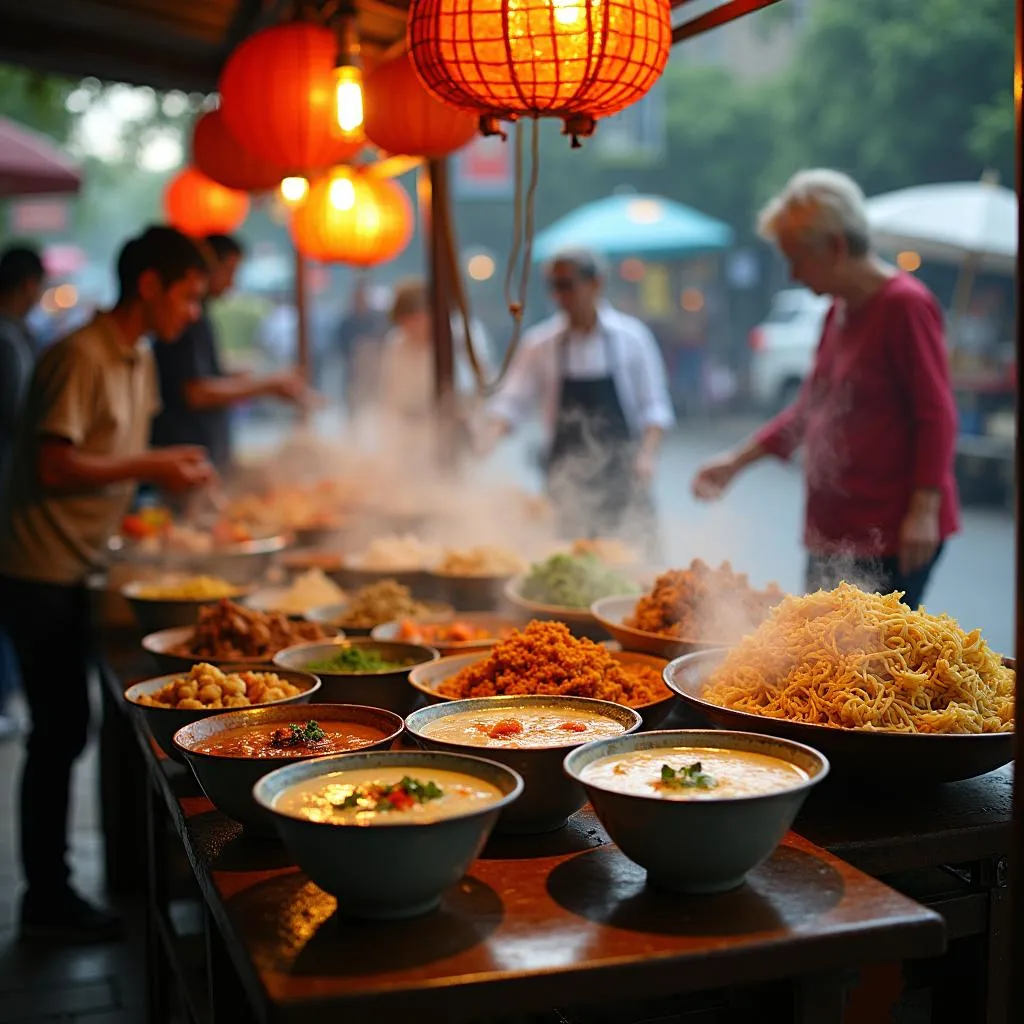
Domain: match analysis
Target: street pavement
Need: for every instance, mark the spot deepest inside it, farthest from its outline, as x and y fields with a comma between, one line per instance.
x=758, y=524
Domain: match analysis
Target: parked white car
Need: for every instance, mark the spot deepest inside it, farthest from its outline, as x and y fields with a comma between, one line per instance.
x=782, y=347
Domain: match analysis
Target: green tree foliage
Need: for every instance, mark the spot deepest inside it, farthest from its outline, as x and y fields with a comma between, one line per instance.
x=899, y=92
x=36, y=101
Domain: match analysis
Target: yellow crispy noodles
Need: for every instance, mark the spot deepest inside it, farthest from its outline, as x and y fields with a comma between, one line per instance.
x=851, y=660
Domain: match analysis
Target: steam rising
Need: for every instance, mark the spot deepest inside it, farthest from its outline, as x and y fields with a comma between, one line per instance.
x=384, y=467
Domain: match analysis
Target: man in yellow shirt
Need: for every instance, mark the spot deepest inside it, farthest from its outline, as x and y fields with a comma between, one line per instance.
x=81, y=449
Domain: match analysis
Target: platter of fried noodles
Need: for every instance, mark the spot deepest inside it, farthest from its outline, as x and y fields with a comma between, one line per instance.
x=891, y=695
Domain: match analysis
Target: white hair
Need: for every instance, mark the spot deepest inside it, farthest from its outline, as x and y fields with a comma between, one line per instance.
x=816, y=205
x=588, y=263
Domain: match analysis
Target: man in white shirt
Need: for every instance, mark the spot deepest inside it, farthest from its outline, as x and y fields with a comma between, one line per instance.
x=599, y=379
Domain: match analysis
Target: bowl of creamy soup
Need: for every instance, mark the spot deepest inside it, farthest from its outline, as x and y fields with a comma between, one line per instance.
x=531, y=735
x=698, y=809
x=230, y=753
x=387, y=833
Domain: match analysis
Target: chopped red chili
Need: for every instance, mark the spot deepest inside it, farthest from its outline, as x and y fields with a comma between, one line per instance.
x=505, y=728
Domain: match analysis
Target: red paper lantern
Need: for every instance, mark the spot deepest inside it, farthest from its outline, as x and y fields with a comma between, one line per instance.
x=279, y=100
x=353, y=217
x=199, y=206
x=223, y=159
x=573, y=59
x=403, y=118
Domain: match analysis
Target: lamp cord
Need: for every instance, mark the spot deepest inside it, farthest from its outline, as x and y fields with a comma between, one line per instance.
x=524, y=219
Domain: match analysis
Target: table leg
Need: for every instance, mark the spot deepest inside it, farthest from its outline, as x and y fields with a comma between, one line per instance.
x=820, y=998
x=228, y=1000
x=122, y=796
x=995, y=875
x=157, y=983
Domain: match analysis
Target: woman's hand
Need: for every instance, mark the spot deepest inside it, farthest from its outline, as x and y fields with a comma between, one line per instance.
x=714, y=477
x=919, y=531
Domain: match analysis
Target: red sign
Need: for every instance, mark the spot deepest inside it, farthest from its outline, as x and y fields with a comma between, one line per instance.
x=38, y=216
x=485, y=169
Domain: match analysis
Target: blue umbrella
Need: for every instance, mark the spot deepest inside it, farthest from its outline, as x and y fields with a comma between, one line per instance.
x=634, y=225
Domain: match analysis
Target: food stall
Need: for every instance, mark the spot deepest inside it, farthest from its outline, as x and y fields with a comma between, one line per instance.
x=558, y=924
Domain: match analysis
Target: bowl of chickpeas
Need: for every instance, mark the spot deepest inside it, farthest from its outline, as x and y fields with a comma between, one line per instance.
x=168, y=703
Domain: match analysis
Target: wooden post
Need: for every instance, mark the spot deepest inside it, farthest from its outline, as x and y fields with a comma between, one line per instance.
x=302, y=358
x=435, y=221
x=1016, y=1009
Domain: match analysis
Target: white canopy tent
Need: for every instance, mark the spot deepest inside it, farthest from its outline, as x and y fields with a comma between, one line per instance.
x=953, y=223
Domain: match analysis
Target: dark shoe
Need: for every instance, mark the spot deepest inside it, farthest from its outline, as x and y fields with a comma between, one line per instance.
x=66, y=917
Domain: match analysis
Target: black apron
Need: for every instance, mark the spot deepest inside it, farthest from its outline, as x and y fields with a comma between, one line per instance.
x=590, y=472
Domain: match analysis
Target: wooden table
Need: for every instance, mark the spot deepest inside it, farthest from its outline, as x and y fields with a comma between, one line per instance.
x=948, y=847
x=562, y=919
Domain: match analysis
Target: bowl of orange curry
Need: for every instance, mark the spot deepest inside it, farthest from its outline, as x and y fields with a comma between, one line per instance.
x=230, y=753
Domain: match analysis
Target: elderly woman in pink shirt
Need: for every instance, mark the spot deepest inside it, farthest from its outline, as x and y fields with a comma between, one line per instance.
x=876, y=416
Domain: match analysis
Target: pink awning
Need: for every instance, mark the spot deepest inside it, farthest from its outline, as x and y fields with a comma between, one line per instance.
x=32, y=164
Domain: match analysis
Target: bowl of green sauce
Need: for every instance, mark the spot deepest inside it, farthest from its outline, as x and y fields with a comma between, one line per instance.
x=362, y=670
x=563, y=587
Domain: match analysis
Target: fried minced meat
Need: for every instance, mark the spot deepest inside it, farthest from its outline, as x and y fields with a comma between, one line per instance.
x=701, y=603
x=545, y=658
x=226, y=630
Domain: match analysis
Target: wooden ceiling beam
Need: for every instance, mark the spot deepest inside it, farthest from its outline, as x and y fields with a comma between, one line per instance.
x=722, y=15
x=80, y=54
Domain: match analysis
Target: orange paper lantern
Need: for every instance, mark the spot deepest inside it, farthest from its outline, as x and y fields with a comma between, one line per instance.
x=573, y=59
x=279, y=100
x=199, y=206
x=403, y=118
x=223, y=159
x=353, y=217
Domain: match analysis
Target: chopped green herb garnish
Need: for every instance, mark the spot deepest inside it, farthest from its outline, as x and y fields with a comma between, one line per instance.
x=687, y=777
x=298, y=735
x=309, y=733
x=398, y=796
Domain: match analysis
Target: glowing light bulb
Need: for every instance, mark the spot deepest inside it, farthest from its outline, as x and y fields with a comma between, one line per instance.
x=480, y=267
x=294, y=190
x=568, y=13
x=350, y=99
x=342, y=194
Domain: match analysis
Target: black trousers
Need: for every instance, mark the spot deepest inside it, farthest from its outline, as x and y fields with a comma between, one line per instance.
x=49, y=625
x=879, y=575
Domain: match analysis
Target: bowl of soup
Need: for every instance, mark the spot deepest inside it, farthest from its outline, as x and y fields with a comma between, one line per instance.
x=531, y=735
x=387, y=833
x=168, y=703
x=697, y=809
x=360, y=670
x=230, y=753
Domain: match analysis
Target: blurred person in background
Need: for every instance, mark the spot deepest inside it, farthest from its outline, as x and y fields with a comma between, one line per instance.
x=82, y=448
x=21, y=288
x=876, y=416
x=357, y=344
x=196, y=394
x=599, y=378
x=407, y=393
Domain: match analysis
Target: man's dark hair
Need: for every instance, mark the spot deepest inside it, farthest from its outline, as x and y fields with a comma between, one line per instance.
x=223, y=246
x=19, y=264
x=162, y=249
